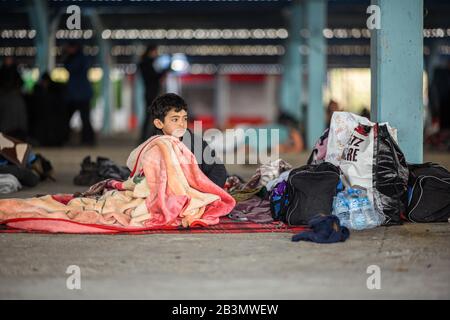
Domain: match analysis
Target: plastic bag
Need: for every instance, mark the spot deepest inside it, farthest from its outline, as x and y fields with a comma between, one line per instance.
x=371, y=159
x=341, y=129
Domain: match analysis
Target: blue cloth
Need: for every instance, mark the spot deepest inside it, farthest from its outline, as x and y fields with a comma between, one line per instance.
x=340, y=186
x=410, y=194
x=31, y=158
x=325, y=229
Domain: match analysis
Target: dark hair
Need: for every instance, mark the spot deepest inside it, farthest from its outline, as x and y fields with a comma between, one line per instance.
x=161, y=106
x=148, y=49
x=287, y=120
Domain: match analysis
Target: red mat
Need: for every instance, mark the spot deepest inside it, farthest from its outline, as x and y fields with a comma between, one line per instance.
x=225, y=226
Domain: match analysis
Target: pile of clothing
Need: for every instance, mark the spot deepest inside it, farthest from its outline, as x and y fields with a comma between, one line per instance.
x=20, y=166
x=358, y=173
x=372, y=163
x=252, y=197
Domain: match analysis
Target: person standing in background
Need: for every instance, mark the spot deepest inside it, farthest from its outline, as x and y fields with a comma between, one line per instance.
x=331, y=108
x=152, y=83
x=13, y=112
x=440, y=96
x=47, y=112
x=79, y=92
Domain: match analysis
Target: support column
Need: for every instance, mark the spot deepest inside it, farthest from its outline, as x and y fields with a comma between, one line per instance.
x=138, y=86
x=38, y=14
x=105, y=62
x=139, y=99
x=53, y=27
x=291, y=83
x=222, y=100
x=317, y=67
x=397, y=72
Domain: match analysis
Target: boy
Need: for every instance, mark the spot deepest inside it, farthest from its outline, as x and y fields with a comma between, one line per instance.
x=169, y=117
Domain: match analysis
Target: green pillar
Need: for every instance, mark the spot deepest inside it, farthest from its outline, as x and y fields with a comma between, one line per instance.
x=139, y=98
x=397, y=72
x=317, y=67
x=139, y=106
x=53, y=27
x=38, y=14
x=104, y=59
x=291, y=83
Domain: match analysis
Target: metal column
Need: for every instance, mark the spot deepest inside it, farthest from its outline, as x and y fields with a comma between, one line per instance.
x=317, y=67
x=104, y=61
x=38, y=14
x=397, y=72
x=291, y=84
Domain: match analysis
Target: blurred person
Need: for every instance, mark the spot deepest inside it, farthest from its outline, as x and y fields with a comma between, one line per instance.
x=10, y=76
x=78, y=92
x=293, y=142
x=331, y=108
x=365, y=112
x=152, y=83
x=439, y=106
x=440, y=96
x=47, y=112
x=290, y=138
x=13, y=112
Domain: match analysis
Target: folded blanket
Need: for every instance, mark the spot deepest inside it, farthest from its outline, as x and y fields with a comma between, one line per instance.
x=166, y=188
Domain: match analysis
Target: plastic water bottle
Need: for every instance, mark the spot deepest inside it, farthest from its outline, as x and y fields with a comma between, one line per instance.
x=358, y=219
x=340, y=209
x=375, y=219
x=369, y=213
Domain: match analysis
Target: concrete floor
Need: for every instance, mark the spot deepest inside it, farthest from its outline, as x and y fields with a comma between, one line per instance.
x=414, y=259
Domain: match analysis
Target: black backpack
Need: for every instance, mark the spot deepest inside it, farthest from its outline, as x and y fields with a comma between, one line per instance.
x=429, y=196
x=310, y=191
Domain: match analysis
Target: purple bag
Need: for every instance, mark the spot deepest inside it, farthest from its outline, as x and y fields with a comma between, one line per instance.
x=278, y=199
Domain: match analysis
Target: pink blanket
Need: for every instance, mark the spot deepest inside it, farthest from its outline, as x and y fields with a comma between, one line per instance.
x=166, y=188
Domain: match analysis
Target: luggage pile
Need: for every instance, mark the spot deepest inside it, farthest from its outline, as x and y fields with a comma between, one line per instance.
x=358, y=173
x=20, y=166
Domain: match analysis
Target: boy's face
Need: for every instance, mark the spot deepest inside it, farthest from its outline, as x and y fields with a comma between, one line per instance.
x=174, y=124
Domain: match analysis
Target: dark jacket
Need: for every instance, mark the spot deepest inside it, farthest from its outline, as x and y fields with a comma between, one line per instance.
x=151, y=79
x=78, y=87
x=215, y=171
